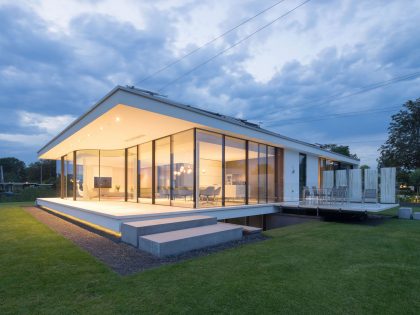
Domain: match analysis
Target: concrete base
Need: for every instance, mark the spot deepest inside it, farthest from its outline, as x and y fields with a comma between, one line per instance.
x=416, y=215
x=177, y=242
x=405, y=213
x=130, y=231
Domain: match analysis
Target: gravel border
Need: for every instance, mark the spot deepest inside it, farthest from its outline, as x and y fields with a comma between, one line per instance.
x=120, y=257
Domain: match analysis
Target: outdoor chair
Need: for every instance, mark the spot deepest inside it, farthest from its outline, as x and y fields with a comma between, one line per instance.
x=370, y=194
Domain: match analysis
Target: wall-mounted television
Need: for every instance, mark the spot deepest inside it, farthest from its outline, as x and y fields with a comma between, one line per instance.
x=103, y=182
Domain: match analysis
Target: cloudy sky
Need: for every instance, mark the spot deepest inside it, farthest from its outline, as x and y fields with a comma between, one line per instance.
x=302, y=76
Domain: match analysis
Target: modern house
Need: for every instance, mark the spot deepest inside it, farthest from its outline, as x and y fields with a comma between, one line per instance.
x=137, y=154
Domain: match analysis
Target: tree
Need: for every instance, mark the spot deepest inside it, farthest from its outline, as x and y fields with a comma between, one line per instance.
x=342, y=149
x=48, y=171
x=364, y=167
x=14, y=170
x=415, y=180
x=402, y=149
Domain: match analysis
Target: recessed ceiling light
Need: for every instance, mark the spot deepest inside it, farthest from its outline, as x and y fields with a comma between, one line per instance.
x=88, y=134
x=117, y=119
x=101, y=128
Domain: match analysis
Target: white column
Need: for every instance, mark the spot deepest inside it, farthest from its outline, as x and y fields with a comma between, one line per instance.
x=388, y=178
x=355, y=185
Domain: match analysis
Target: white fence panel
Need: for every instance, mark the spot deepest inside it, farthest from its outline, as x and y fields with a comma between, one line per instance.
x=341, y=178
x=327, y=179
x=355, y=185
x=388, y=178
x=371, y=179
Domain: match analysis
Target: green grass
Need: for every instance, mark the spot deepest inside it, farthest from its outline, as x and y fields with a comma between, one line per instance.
x=311, y=268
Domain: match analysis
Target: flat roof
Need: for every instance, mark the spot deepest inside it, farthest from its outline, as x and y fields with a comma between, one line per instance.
x=162, y=99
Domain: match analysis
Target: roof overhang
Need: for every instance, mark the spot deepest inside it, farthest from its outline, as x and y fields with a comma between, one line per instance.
x=126, y=117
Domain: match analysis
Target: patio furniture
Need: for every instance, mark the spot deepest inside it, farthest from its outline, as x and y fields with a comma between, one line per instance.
x=183, y=193
x=405, y=213
x=216, y=193
x=370, y=194
x=207, y=192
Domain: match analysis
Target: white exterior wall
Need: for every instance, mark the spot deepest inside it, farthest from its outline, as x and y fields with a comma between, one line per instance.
x=312, y=172
x=291, y=175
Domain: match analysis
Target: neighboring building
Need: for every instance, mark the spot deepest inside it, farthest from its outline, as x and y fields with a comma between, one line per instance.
x=139, y=147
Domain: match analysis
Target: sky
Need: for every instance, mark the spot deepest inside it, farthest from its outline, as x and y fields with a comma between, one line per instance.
x=300, y=77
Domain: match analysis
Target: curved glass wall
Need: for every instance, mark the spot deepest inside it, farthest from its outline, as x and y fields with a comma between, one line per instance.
x=210, y=173
x=163, y=171
x=262, y=173
x=252, y=172
x=132, y=174
x=87, y=175
x=271, y=177
x=183, y=169
x=145, y=172
x=229, y=171
x=235, y=168
x=112, y=175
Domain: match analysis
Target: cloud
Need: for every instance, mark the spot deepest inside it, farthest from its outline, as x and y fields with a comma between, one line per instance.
x=59, y=58
x=49, y=124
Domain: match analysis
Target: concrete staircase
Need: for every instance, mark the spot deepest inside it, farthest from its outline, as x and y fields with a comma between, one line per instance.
x=173, y=236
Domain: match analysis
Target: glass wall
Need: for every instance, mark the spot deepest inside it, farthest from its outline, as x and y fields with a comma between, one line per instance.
x=112, y=175
x=252, y=172
x=271, y=177
x=132, y=174
x=145, y=172
x=302, y=173
x=87, y=175
x=262, y=173
x=210, y=173
x=183, y=169
x=163, y=171
x=235, y=168
x=69, y=176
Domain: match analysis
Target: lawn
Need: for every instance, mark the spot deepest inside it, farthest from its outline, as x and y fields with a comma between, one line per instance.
x=316, y=267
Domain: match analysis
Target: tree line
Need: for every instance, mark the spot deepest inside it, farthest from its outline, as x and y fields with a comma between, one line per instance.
x=15, y=170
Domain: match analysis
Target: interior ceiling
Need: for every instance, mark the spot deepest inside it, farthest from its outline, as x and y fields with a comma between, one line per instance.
x=121, y=127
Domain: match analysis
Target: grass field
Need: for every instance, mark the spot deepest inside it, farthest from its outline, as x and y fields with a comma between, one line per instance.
x=316, y=268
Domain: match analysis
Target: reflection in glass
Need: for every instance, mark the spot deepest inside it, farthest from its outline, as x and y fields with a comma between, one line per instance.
x=302, y=173
x=69, y=176
x=183, y=169
x=209, y=150
x=262, y=173
x=235, y=168
x=252, y=173
x=163, y=171
x=132, y=174
x=271, y=185
x=112, y=175
x=87, y=173
x=145, y=172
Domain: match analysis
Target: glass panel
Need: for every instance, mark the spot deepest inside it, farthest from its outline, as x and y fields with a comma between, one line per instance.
x=132, y=174
x=163, y=171
x=183, y=168
x=271, y=162
x=262, y=173
x=146, y=172
x=209, y=150
x=112, y=175
x=68, y=170
x=235, y=168
x=87, y=172
x=252, y=172
x=302, y=173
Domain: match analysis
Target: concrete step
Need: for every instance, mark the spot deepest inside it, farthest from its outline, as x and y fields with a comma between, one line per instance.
x=247, y=230
x=130, y=231
x=181, y=241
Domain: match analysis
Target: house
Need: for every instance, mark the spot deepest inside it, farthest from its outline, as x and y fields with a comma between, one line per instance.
x=143, y=154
